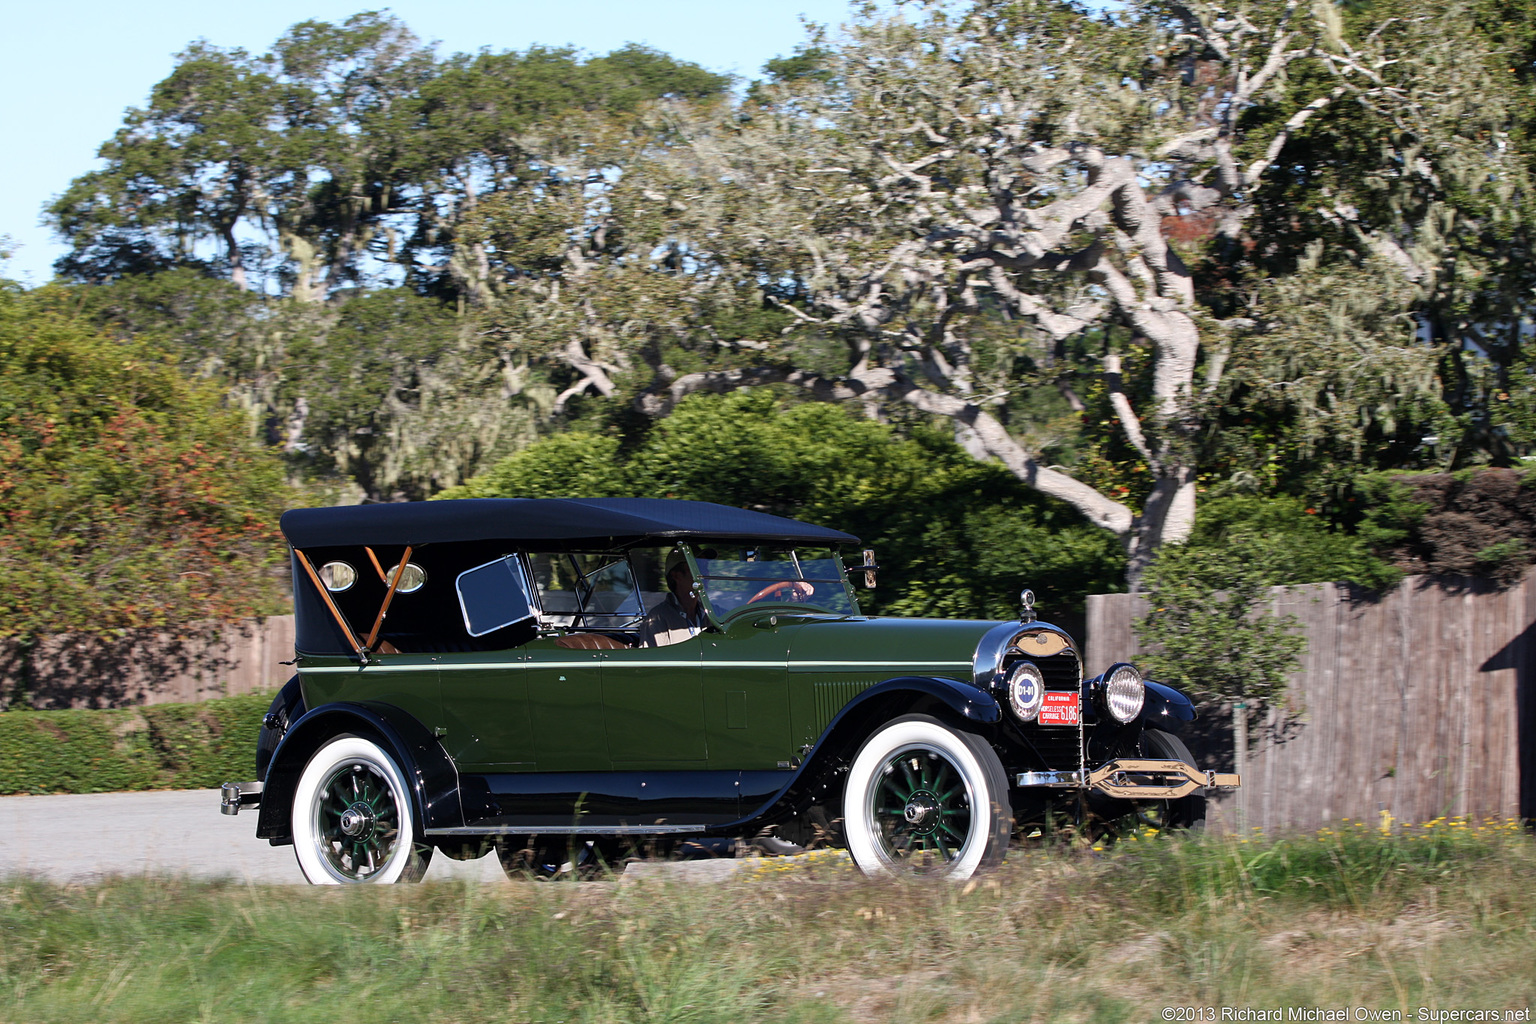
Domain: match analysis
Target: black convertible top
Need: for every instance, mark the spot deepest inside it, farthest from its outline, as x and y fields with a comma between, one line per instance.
x=540, y=520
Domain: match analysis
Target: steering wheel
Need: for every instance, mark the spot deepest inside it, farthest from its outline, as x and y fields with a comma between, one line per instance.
x=784, y=590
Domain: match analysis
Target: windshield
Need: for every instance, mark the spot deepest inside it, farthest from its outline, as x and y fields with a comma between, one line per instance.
x=739, y=576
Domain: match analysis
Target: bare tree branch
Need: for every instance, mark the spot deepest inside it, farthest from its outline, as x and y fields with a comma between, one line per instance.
x=1122, y=406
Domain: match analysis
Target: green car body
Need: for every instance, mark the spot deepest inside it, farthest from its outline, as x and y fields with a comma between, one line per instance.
x=496, y=675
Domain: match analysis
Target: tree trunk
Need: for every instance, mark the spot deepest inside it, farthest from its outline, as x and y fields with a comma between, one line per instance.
x=236, y=262
x=1167, y=518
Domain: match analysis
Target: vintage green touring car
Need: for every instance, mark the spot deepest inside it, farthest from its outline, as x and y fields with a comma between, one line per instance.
x=535, y=677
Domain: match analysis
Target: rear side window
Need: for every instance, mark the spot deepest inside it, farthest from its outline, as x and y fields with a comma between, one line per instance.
x=583, y=590
x=494, y=596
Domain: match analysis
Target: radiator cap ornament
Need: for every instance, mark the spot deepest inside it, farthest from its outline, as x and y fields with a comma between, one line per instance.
x=1027, y=599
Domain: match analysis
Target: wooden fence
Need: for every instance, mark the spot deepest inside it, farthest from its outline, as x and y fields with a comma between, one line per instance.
x=149, y=666
x=1419, y=703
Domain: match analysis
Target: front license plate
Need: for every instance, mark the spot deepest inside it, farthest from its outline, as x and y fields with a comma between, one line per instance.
x=1060, y=708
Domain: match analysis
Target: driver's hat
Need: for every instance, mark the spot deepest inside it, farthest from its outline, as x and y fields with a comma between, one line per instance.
x=675, y=560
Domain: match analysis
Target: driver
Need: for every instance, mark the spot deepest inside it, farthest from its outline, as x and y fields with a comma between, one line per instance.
x=680, y=615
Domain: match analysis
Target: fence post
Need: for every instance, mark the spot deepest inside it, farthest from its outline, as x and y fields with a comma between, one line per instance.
x=1240, y=757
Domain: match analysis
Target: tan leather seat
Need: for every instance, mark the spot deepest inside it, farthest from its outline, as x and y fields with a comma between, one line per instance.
x=589, y=642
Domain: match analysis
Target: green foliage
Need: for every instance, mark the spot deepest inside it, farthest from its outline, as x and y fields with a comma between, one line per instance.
x=1207, y=626
x=570, y=465
x=129, y=495
x=384, y=393
x=512, y=244
x=1330, y=375
x=1346, y=867
x=1305, y=547
x=956, y=537
x=345, y=149
x=209, y=326
x=1424, y=210
x=394, y=393
x=159, y=746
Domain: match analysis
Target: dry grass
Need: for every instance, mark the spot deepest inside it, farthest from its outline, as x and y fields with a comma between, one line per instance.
x=1430, y=916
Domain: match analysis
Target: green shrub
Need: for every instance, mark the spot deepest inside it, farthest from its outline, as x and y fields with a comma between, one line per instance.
x=162, y=746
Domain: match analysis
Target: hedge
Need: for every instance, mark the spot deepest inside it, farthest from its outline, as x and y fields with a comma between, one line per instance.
x=160, y=746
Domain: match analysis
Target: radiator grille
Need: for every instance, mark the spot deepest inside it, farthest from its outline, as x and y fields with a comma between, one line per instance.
x=1061, y=671
x=1059, y=746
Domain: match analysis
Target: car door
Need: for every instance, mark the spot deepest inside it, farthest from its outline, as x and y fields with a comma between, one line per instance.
x=653, y=706
x=746, y=695
x=486, y=711
x=487, y=726
x=565, y=704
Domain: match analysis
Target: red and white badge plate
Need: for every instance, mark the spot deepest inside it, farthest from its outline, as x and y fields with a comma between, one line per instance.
x=1060, y=708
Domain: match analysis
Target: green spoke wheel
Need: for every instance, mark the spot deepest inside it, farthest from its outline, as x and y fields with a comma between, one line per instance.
x=914, y=811
x=352, y=817
x=924, y=798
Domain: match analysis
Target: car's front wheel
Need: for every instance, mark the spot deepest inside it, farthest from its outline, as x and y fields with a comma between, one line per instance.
x=352, y=818
x=925, y=798
x=1185, y=813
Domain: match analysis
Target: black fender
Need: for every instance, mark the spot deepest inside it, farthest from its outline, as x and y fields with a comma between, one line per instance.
x=851, y=726
x=429, y=772
x=287, y=708
x=1164, y=702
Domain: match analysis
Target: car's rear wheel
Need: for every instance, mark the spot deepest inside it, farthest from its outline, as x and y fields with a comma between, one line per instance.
x=925, y=798
x=352, y=817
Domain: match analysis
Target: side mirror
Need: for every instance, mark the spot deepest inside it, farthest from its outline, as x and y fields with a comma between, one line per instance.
x=870, y=568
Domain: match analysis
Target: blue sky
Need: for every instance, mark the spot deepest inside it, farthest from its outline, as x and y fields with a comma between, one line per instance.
x=69, y=69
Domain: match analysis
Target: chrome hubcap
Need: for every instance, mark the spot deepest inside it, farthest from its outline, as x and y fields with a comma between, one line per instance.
x=357, y=819
x=922, y=811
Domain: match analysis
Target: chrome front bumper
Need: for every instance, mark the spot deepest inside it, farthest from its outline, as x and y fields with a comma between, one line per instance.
x=235, y=795
x=1135, y=779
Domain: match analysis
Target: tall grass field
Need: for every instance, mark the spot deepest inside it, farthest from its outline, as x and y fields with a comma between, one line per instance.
x=1382, y=922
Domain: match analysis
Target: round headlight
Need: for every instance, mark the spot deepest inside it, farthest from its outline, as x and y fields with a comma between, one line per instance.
x=1123, y=692
x=1026, y=690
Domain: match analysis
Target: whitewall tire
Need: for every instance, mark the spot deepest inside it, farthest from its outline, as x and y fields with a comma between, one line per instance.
x=928, y=799
x=352, y=817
